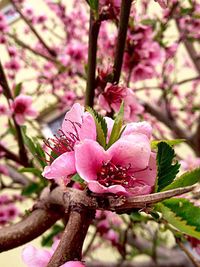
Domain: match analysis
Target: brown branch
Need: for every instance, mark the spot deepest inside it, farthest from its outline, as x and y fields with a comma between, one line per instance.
x=50, y=51
x=187, y=252
x=26, y=46
x=92, y=55
x=179, y=133
x=70, y=246
x=10, y=155
x=29, y=228
x=121, y=39
x=17, y=177
x=7, y=92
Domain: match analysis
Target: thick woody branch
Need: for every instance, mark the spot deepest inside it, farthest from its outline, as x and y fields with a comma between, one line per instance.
x=121, y=40
x=92, y=57
x=42, y=219
x=50, y=51
x=28, y=229
x=70, y=246
x=7, y=92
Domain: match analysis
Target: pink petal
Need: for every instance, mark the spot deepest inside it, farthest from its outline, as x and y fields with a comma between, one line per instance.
x=20, y=119
x=89, y=156
x=139, y=190
x=131, y=150
x=35, y=257
x=138, y=127
x=98, y=188
x=110, y=123
x=104, y=104
x=61, y=167
x=73, y=115
x=88, y=128
x=148, y=176
x=73, y=264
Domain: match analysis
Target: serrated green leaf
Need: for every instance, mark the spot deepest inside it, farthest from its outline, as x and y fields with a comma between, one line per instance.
x=17, y=89
x=167, y=171
x=77, y=178
x=186, y=179
x=182, y=214
x=101, y=126
x=154, y=143
x=117, y=127
x=47, y=240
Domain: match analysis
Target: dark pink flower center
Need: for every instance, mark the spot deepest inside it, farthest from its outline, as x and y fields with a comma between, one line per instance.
x=63, y=142
x=20, y=108
x=111, y=174
x=115, y=94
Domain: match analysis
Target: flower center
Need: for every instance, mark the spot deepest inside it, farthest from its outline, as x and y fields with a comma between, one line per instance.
x=111, y=174
x=62, y=142
x=20, y=108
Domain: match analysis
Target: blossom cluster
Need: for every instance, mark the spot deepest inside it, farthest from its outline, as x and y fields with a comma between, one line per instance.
x=127, y=167
x=8, y=209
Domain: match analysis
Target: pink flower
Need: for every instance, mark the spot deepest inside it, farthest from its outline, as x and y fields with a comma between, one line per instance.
x=127, y=168
x=21, y=108
x=77, y=126
x=162, y=3
x=34, y=257
x=112, y=97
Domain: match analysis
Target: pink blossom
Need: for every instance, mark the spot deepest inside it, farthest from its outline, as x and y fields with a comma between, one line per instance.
x=77, y=126
x=68, y=98
x=127, y=168
x=190, y=163
x=21, y=108
x=112, y=97
x=162, y=3
x=34, y=257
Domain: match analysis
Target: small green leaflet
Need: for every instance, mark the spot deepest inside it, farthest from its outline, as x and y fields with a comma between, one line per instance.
x=101, y=126
x=94, y=4
x=17, y=89
x=77, y=178
x=186, y=179
x=167, y=171
x=117, y=127
x=154, y=143
x=182, y=214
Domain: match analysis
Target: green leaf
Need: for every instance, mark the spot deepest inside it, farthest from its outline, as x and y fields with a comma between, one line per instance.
x=31, y=170
x=33, y=188
x=17, y=89
x=117, y=127
x=154, y=143
x=94, y=4
x=47, y=240
x=167, y=171
x=77, y=178
x=101, y=126
x=34, y=147
x=186, y=179
x=182, y=214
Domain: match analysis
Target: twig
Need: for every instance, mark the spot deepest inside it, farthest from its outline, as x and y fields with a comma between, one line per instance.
x=50, y=51
x=121, y=40
x=7, y=92
x=187, y=252
x=92, y=54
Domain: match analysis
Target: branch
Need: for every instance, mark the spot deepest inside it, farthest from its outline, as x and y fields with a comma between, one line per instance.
x=121, y=40
x=29, y=228
x=26, y=46
x=70, y=246
x=10, y=155
x=50, y=51
x=7, y=92
x=92, y=54
x=187, y=252
x=17, y=177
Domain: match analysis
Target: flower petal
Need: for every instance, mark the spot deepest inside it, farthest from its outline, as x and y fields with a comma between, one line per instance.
x=89, y=156
x=34, y=257
x=61, y=167
x=98, y=188
x=138, y=127
x=88, y=128
x=131, y=150
x=73, y=115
